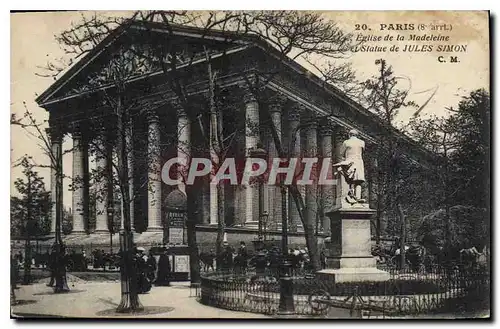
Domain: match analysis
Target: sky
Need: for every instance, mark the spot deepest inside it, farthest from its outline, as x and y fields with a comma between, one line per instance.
x=33, y=45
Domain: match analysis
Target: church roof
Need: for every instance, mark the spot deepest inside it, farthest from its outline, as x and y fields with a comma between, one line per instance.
x=171, y=29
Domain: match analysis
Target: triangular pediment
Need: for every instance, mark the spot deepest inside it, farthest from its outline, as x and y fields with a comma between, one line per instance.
x=134, y=51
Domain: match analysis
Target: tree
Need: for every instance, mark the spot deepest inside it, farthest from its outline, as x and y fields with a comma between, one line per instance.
x=461, y=141
x=29, y=211
x=35, y=128
x=472, y=156
x=384, y=97
x=39, y=202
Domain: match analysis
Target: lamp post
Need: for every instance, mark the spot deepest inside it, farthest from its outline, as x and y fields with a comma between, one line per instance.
x=111, y=227
x=286, y=305
x=264, y=219
x=260, y=153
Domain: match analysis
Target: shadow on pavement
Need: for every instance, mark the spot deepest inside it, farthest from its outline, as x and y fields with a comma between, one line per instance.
x=20, y=302
x=47, y=293
x=148, y=310
x=26, y=316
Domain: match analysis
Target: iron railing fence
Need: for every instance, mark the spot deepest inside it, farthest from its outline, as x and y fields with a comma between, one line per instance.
x=404, y=294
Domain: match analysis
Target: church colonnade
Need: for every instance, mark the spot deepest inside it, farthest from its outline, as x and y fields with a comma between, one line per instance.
x=314, y=137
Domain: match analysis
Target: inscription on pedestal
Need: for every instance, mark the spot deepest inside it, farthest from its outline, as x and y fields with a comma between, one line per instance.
x=356, y=237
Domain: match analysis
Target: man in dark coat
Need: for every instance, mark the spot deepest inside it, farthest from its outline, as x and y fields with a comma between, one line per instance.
x=14, y=272
x=141, y=271
x=322, y=256
x=241, y=259
x=52, y=266
x=227, y=257
x=163, y=278
x=151, y=263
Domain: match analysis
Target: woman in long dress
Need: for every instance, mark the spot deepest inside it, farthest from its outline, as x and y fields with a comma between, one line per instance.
x=163, y=278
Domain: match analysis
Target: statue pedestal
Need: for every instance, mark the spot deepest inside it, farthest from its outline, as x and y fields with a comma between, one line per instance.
x=348, y=255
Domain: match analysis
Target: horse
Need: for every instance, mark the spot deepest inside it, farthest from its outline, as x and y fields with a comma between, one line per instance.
x=469, y=258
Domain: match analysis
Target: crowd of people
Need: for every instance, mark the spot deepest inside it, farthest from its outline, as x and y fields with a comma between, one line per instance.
x=268, y=259
x=154, y=267
x=151, y=271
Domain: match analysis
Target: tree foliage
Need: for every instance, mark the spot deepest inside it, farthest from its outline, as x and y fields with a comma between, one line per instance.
x=30, y=210
x=461, y=141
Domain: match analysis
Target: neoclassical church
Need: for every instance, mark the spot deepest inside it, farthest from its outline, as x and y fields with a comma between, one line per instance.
x=168, y=110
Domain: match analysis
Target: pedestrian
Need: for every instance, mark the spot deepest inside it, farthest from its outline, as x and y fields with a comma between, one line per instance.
x=323, y=258
x=141, y=270
x=13, y=279
x=52, y=266
x=242, y=257
x=164, y=269
x=14, y=272
x=20, y=257
x=151, y=263
x=227, y=257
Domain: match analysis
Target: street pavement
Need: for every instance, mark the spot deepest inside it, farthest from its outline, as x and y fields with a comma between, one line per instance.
x=92, y=299
x=100, y=299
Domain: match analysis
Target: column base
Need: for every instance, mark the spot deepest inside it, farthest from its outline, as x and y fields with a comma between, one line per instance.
x=101, y=232
x=356, y=274
x=252, y=224
x=154, y=229
x=78, y=233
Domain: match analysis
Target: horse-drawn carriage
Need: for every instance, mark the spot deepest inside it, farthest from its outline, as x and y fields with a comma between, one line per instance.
x=415, y=257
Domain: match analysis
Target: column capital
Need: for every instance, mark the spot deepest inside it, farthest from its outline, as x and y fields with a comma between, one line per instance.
x=178, y=108
x=310, y=120
x=325, y=128
x=294, y=111
x=152, y=116
x=276, y=102
x=54, y=134
x=341, y=132
x=76, y=131
x=248, y=94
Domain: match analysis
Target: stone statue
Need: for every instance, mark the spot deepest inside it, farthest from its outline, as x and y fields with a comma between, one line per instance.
x=352, y=167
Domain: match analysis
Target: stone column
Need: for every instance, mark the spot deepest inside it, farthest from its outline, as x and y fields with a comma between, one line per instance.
x=293, y=133
x=55, y=137
x=327, y=191
x=154, y=173
x=275, y=109
x=311, y=151
x=251, y=140
x=78, y=183
x=103, y=181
